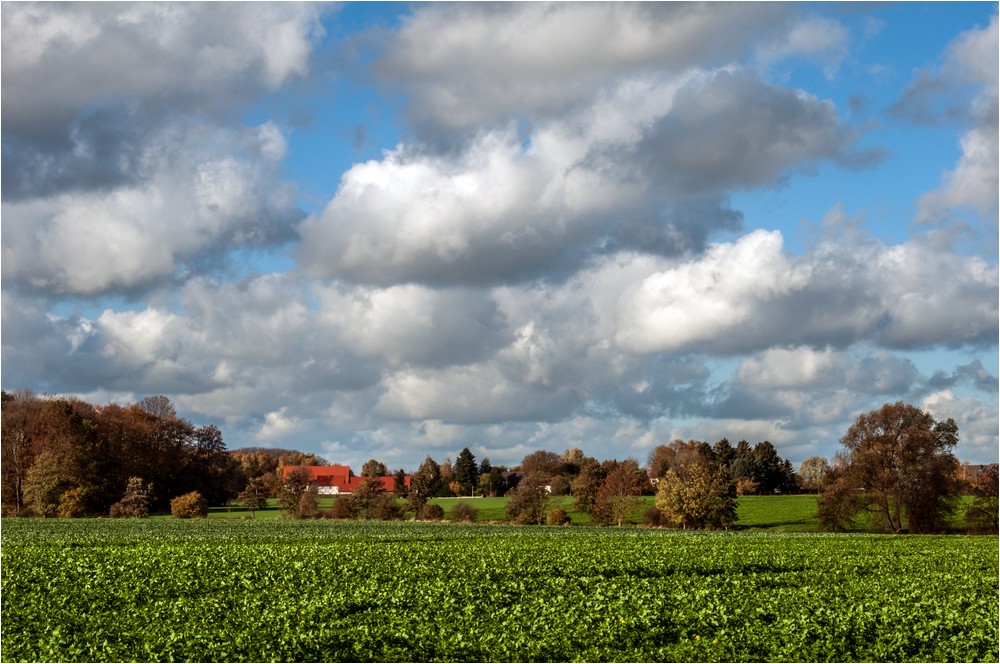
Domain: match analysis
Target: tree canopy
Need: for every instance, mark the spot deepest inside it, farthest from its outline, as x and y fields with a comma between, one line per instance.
x=897, y=462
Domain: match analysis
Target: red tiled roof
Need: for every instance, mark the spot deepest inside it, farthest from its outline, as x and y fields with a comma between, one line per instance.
x=340, y=477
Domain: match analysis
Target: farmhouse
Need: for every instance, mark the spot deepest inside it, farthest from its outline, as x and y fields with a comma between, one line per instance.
x=337, y=480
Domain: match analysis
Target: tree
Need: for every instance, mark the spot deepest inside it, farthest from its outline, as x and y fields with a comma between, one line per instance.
x=373, y=468
x=898, y=462
x=586, y=485
x=46, y=481
x=696, y=495
x=424, y=485
x=528, y=501
x=618, y=496
x=984, y=512
x=254, y=496
x=158, y=406
x=466, y=471
x=543, y=464
x=291, y=488
x=399, y=483
x=136, y=501
x=812, y=472
x=490, y=482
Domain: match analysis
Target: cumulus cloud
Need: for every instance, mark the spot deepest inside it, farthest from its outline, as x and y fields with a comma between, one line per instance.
x=195, y=194
x=751, y=294
x=940, y=93
x=479, y=64
x=648, y=165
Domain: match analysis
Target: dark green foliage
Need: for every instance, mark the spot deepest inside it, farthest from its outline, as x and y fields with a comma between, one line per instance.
x=466, y=472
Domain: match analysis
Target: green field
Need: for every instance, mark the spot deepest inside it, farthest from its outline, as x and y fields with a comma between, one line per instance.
x=263, y=590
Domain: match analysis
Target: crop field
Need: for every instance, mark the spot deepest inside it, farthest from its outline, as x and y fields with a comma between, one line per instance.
x=231, y=590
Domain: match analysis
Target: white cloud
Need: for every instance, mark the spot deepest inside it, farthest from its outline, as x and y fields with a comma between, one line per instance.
x=647, y=165
x=978, y=423
x=707, y=298
x=193, y=195
x=815, y=37
x=476, y=64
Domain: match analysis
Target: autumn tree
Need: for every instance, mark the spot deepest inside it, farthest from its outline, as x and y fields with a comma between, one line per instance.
x=373, y=468
x=541, y=464
x=291, y=490
x=527, y=503
x=812, y=472
x=254, y=496
x=983, y=513
x=136, y=501
x=619, y=494
x=697, y=495
x=896, y=461
x=587, y=484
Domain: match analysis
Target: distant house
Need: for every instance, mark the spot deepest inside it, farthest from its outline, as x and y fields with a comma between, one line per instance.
x=970, y=473
x=337, y=480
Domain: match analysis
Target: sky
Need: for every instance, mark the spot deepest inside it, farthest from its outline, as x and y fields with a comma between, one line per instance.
x=392, y=231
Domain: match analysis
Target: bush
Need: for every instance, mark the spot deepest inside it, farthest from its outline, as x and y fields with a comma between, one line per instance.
x=73, y=503
x=464, y=512
x=557, y=517
x=189, y=506
x=432, y=513
x=652, y=516
x=342, y=508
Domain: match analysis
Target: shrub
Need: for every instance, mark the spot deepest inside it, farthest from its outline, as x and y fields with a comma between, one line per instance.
x=557, y=517
x=464, y=512
x=308, y=507
x=189, y=506
x=652, y=516
x=341, y=508
x=385, y=508
x=432, y=513
x=73, y=503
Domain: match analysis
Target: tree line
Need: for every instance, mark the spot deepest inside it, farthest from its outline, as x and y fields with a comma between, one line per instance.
x=65, y=457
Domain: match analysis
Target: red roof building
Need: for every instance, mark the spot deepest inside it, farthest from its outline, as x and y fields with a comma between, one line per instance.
x=335, y=480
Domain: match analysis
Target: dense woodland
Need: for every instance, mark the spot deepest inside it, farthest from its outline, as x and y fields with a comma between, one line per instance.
x=65, y=457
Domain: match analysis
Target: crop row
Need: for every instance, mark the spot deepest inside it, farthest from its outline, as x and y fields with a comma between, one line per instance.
x=318, y=591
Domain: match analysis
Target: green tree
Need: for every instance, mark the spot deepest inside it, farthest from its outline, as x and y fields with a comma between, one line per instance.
x=424, y=485
x=466, y=471
x=896, y=461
